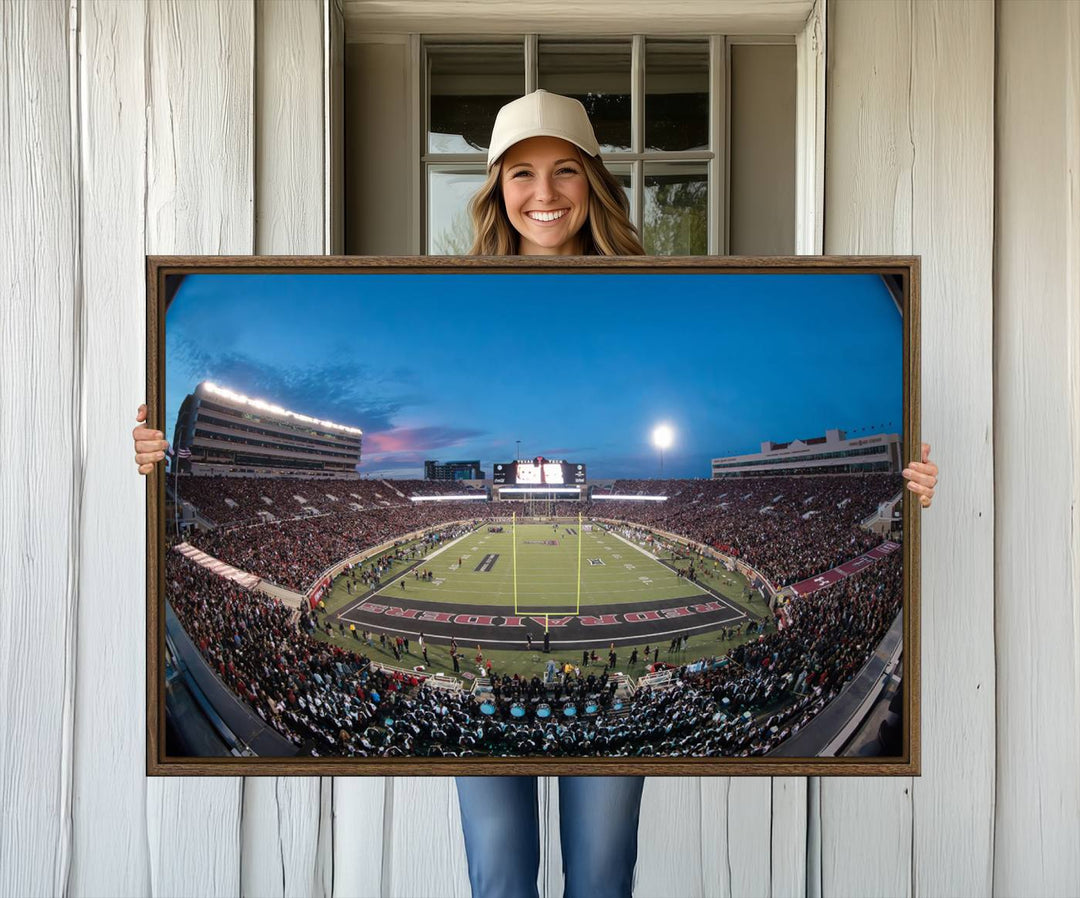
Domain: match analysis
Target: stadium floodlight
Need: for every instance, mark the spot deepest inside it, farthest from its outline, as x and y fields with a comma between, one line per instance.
x=662, y=436
x=612, y=496
x=539, y=490
x=260, y=404
x=471, y=497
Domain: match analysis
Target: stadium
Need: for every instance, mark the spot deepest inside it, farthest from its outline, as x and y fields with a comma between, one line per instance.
x=311, y=611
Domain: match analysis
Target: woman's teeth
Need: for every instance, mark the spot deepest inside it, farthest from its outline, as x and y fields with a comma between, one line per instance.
x=546, y=216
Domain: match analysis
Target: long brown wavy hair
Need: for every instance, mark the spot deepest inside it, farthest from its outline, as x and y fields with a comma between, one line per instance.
x=607, y=231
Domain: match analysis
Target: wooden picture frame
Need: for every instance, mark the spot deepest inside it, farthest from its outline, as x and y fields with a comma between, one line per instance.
x=863, y=676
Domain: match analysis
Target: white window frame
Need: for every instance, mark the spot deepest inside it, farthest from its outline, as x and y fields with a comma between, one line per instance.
x=809, y=41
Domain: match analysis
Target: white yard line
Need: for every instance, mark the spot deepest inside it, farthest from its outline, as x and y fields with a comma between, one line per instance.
x=408, y=570
x=653, y=558
x=637, y=548
x=708, y=592
x=442, y=549
x=447, y=596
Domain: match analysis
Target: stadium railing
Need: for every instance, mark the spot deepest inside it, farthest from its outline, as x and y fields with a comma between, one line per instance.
x=442, y=681
x=662, y=679
x=832, y=727
x=436, y=681
x=237, y=723
x=883, y=514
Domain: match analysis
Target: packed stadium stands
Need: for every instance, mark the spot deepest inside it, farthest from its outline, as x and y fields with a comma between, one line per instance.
x=328, y=699
x=789, y=528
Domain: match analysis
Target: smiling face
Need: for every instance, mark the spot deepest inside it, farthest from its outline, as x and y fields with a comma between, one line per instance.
x=546, y=195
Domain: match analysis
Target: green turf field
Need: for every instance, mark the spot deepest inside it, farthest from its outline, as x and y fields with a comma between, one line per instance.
x=547, y=581
x=520, y=569
x=607, y=583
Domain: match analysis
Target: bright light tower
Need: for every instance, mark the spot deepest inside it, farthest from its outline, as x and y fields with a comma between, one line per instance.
x=662, y=437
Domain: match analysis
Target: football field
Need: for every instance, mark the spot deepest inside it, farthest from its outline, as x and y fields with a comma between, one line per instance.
x=539, y=569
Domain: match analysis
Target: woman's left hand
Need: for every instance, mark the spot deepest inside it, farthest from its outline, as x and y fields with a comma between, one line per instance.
x=922, y=477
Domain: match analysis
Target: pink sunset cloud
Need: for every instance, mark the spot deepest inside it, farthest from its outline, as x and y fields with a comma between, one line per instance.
x=416, y=439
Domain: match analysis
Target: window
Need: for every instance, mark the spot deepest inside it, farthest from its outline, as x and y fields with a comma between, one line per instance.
x=660, y=108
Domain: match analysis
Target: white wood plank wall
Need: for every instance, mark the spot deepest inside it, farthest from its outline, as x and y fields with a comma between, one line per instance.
x=909, y=169
x=109, y=819
x=169, y=126
x=285, y=850
x=1037, y=450
x=42, y=461
x=199, y=199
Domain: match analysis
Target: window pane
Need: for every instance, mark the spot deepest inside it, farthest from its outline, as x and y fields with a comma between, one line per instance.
x=676, y=209
x=623, y=174
x=762, y=197
x=467, y=84
x=676, y=95
x=597, y=74
x=449, y=191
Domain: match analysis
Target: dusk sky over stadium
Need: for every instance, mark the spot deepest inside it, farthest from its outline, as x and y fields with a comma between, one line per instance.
x=577, y=367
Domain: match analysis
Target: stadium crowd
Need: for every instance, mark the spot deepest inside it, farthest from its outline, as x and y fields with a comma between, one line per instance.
x=789, y=528
x=295, y=553
x=331, y=700
x=306, y=690
x=233, y=500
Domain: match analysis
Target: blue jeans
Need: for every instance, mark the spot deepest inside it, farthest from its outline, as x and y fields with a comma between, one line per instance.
x=598, y=829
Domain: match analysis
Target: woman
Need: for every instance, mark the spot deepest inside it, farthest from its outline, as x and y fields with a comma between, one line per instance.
x=548, y=193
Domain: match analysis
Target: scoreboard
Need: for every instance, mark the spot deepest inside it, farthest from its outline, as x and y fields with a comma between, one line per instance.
x=538, y=471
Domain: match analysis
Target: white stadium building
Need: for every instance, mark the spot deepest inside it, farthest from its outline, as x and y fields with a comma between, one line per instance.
x=219, y=431
x=833, y=453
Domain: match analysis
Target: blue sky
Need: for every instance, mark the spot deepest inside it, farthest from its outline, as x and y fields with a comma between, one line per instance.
x=575, y=366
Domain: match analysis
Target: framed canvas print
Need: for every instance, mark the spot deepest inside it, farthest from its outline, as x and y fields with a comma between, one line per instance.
x=533, y=516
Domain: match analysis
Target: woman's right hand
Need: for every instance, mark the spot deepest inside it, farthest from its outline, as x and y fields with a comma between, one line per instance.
x=150, y=445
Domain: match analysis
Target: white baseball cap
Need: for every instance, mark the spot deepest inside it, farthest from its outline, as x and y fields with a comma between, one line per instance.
x=541, y=114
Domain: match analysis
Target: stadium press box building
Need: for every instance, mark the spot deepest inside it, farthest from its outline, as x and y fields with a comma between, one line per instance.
x=222, y=432
x=833, y=453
